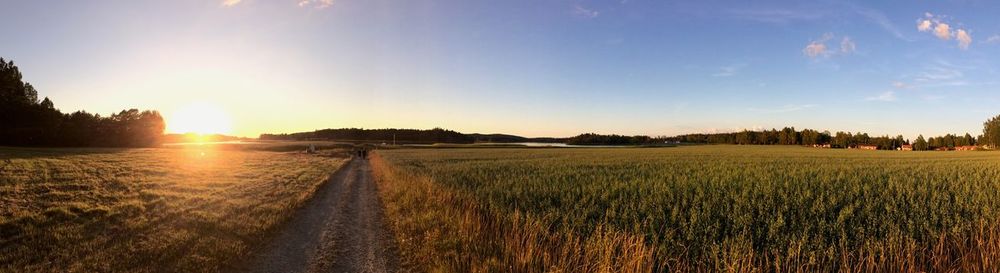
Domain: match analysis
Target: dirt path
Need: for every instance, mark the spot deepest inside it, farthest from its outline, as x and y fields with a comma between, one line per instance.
x=339, y=230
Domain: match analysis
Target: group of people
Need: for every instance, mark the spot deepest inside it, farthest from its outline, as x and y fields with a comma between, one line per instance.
x=361, y=152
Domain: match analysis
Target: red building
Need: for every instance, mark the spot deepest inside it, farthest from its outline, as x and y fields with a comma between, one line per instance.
x=965, y=148
x=906, y=147
x=868, y=147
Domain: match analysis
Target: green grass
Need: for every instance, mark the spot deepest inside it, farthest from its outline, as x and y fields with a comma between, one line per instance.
x=703, y=208
x=182, y=209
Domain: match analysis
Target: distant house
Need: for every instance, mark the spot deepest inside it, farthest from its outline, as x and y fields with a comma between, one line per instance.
x=906, y=147
x=942, y=148
x=867, y=147
x=822, y=145
x=965, y=148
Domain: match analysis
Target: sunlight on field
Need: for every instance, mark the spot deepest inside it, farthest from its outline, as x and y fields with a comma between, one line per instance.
x=704, y=208
x=142, y=210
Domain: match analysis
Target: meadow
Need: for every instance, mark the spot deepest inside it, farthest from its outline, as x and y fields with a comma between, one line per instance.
x=182, y=209
x=692, y=209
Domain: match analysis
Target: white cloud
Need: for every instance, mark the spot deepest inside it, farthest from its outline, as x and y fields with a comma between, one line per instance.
x=963, y=39
x=230, y=3
x=924, y=25
x=942, y=31
x=900, y=85
x=847, y=46
x=818, y=48
x=887, y=96
x=935, y=24
x=585, y=12
x=319, y=4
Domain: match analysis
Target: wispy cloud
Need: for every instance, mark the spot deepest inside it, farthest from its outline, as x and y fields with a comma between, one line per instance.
x=815, y=49
x=319, y=4
x=847, y=45
x=932, y=97
x=963, y=39
x=879, y=18
x=887, y=96
x=940, y=72
x=783, y=109
x=584, y=12
x=938, y=25
x=992, y=39
x=777, y=16
x=818, y=48
x=823, y=12
x=729, y=70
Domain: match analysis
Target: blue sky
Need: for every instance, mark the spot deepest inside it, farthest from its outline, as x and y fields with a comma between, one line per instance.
x=535, y=68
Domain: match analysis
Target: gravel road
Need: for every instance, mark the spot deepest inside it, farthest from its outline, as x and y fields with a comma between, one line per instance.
x=339, y=230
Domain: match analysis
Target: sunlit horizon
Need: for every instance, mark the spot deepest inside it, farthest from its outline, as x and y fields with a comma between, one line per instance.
x=551, y=69
x=202, y=118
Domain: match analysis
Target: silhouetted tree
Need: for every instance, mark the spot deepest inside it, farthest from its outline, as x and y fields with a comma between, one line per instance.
x=25, y=121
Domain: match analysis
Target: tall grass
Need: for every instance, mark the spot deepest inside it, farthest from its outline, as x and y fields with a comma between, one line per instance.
x=195, y=209
x=440, y=230
x=694, y=209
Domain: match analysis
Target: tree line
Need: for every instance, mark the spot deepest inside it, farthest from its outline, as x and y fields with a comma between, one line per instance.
x=948, y=141
x=597, y=139
x=436, y=135
x=27, y=121
x=785, y=136
x=991, y=133
x=790, y=136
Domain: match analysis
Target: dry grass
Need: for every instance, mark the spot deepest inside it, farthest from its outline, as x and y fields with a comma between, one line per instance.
x=442, y=231
x=693, y=209
x=194, y=209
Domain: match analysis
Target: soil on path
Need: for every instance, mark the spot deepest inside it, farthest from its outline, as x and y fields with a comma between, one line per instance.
x=340, y=229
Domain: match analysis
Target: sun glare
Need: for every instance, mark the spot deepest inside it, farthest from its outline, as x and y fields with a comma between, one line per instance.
x=199, y=118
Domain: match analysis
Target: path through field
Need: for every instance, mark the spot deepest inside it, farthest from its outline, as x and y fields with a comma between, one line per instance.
x=339, y=230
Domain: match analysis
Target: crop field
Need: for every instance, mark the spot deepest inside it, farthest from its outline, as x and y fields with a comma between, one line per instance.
x=182, y=209
x=701, y=208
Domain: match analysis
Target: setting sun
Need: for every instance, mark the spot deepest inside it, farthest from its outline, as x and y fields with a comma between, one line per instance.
x=199, y=118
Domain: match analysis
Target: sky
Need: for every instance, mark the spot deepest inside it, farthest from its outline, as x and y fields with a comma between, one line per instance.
x=526, y=67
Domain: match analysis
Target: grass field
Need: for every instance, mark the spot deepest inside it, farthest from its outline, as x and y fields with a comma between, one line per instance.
x=702, y=208
x=181, y=209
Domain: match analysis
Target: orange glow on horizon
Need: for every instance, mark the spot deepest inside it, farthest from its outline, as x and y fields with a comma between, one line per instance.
x=200, y=118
